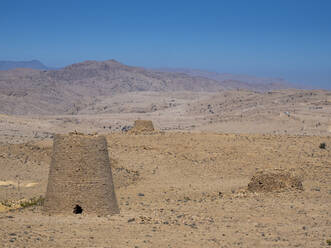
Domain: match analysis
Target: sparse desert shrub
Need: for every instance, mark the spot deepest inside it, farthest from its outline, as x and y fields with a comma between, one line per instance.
x=322, y=145
x=35, y=201
x=126, y=128
x=328, y=242
x=7, y=203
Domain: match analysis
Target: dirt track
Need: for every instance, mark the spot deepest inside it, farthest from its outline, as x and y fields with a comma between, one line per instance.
x=181, y=190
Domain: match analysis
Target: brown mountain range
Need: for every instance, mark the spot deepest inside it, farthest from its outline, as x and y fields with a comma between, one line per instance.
x=79, y=86
x=68, y=90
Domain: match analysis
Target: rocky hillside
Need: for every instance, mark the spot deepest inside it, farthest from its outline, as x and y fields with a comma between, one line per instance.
x=250, y=105
x=98, y=87
x=283, y=111
x=233, y=81
x=75, y=87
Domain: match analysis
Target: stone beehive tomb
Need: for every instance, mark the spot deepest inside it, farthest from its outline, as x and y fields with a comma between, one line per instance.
x=141, y=126
x=80, y=177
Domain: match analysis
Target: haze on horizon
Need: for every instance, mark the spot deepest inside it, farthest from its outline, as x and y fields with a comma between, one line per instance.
x=285, y=39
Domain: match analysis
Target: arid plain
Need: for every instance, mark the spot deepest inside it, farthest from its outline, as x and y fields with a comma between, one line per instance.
x=186, y=183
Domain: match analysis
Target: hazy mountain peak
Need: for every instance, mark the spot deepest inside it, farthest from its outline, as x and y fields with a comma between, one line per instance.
x=97, y=65
x=32, y=64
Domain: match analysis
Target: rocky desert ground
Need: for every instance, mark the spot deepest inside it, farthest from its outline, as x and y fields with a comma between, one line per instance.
x=186, y=184
x=179, y=189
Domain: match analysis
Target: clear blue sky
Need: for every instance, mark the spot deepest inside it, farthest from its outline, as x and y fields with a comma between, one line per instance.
x=276, y=38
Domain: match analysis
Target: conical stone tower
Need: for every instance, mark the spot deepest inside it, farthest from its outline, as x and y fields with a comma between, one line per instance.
x=80, y=177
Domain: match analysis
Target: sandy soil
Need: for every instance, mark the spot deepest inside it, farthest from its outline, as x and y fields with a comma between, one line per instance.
x=179, y=190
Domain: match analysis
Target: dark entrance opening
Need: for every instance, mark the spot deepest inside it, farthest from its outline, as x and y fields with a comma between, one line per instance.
x=78, y=209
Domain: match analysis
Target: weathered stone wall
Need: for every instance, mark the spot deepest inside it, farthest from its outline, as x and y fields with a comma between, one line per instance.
x=80, y=174
x=274, y=180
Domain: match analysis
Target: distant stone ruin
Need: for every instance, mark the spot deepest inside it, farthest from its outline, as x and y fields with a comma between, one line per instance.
x=80, y=177
x=274, y=180
x=142, y=126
